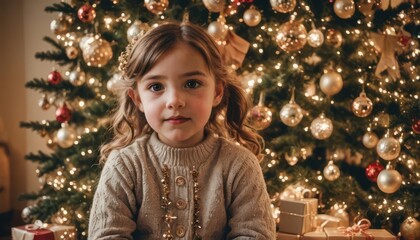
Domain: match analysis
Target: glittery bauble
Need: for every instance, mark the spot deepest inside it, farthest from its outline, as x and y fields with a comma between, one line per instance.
x=43, y=103
x=344, y=8
x=291, y=114
x=156, y=6
x=96, y=51
x=260, y=117
x=26, y=214
x=372, y=171
x=59, y=26
x=334, y=38
x=283, y=6
x=218, y=30
x=315, y=38
x=321, y=127
x=331, y=171
x=388, y=148
x=86, y=13
x=291, y=36
x=214, y=5
x=389, y=180
x=72, y=52
x=366, y=7
x=136, y=30
x=370, y=139
x=252, y=17
x=54, y=77
x=63, y=114
x=66, y=136
x=416, y=125
x=362, y=106
x=77, y=77
x=331, y=83
x=410, y=229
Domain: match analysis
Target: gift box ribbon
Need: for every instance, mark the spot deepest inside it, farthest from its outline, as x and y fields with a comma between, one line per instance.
x=360, y=227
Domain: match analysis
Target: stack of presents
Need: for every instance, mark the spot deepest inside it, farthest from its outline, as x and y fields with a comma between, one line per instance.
x=43, y=231
x=298, y=220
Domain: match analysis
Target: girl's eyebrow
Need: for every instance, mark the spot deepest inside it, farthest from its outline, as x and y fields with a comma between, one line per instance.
x=186, y=74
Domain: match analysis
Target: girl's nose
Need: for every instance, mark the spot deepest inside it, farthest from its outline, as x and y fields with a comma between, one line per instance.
x=175, y=100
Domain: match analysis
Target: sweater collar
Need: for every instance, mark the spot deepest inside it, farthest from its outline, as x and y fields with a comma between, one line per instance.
x=190, y=156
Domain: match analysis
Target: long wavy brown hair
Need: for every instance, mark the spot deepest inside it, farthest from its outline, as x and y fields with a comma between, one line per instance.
x=228, y=119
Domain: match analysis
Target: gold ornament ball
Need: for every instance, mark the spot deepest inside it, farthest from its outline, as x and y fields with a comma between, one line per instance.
x=388, y=148
x=291, y=36
x=214, y=5
x=366, y=7
x=96, y=51
x=362, y=106
x=137, y=29
x=283, y=6
x=334, y=38
x=72, y=52
x=59, y=26
x=389, y=180
x=252, y=17
x=156, y=6
x=315, y=38
x=410, y=229
x=321, y=127
x=66, y=136
x=344, y=8
x=331, y=172
x=217, y=30
x=77, y=77
x=291, y=114
x=260, y=117
x=370, y=139
x=331, y=83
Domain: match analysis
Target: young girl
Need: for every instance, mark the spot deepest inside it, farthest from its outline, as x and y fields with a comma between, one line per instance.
x=174, y=169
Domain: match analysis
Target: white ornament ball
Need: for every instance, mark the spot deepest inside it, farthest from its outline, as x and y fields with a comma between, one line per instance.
x=331, y=172
x=331, y=83
x=77, y=77
x=344, y=8
x=217, y=30
x=66, y=136
x=315, y=38
x=291, y=114
x=321, y=127
x=252, y=17
x=59, y=26
x=136, y=30
x=389, y=180
x=370, y=139
x=388, y=148
x=26, y=214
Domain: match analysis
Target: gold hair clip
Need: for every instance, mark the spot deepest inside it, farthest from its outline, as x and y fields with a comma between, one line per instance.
x=125, y=56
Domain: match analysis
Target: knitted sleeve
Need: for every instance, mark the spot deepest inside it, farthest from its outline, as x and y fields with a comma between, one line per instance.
x=249, y=210
x=114, y=203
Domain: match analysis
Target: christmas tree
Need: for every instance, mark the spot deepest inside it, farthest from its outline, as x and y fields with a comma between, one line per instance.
x=335, y=86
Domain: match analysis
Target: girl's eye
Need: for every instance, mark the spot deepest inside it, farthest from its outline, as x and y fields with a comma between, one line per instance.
x=156, y=87
x=192, y=84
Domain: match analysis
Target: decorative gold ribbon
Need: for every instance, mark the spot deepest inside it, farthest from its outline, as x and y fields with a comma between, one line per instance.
x=234, y=50
x=387, y=45
x=361, y=226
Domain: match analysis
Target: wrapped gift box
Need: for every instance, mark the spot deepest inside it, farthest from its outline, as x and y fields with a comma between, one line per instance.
x=44, y=232
x=297, y=216
x=327, y=220
x=288, y=236
x=316, y=235
x=339, y=234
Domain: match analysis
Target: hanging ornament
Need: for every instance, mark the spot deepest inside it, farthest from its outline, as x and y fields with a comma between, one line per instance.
x=321, y=127
x=415, y=125
x=86, y=13
x=291, y=113
x=291, y=36
x=331, y=171
x=66, y=136
x=54, y=77
x=111, y=84
x=331, y=82
x=344, y=8
x=63, y=114
x=77, y=77
x=72, y=52
x=315, y=38
x=334, y=38
x=214, y=5
x=410, y=229
x=156, y=6
x=252, y=17
x=96, y=51
x=26, y=214
x=389, y=180
x=218, y=29
x=60, y=25
x=366, y=7
x=52, y=142
x=283, y=6
x=388, y=148
x=370, y=139
x=43, y=103
x=362, y=106
x=372, y=171
x=137, y=30
x=260, y=116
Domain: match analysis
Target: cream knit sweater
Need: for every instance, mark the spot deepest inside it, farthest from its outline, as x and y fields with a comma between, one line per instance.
x=234, y=203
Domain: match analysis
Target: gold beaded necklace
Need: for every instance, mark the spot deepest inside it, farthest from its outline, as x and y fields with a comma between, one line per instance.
x=166, y=204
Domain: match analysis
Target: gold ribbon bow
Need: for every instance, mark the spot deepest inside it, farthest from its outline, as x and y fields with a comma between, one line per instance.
x=361, y=226
x=386, y=44
x=234, y=50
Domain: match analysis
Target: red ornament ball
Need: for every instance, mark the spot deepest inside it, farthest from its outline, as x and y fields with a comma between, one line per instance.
x=86, y=13
x=416, y=125
x=63, y=114
x=54, y=77
x=373, y=170
x=404, y=41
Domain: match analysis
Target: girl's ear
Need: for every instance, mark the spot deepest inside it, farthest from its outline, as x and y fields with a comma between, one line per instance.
x=218, y=94
x=134, y=95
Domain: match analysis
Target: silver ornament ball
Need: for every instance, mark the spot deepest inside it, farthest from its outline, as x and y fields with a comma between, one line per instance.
x=315, y=38
x=214, y=5
x=291, y=114
x=321, y=127
x=331, y=172
x=370, y=139
x=66, y=136
x=388, y=148
x=283, y=6
x=252, y=17
x=77, y=77
x=136, y=30
x=362, y=106
x=389, y=180
x=410, y=229
x=344, y=8
x=331, y=83
x=217, y=30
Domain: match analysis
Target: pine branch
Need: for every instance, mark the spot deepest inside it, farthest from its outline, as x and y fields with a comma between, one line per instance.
x=44, y=86
x=61, y=7
x=49, y=126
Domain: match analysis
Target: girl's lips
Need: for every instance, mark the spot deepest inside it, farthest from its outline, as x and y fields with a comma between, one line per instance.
x=177, y=120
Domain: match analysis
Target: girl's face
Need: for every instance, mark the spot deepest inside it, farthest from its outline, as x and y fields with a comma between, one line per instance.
x=177, y=96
